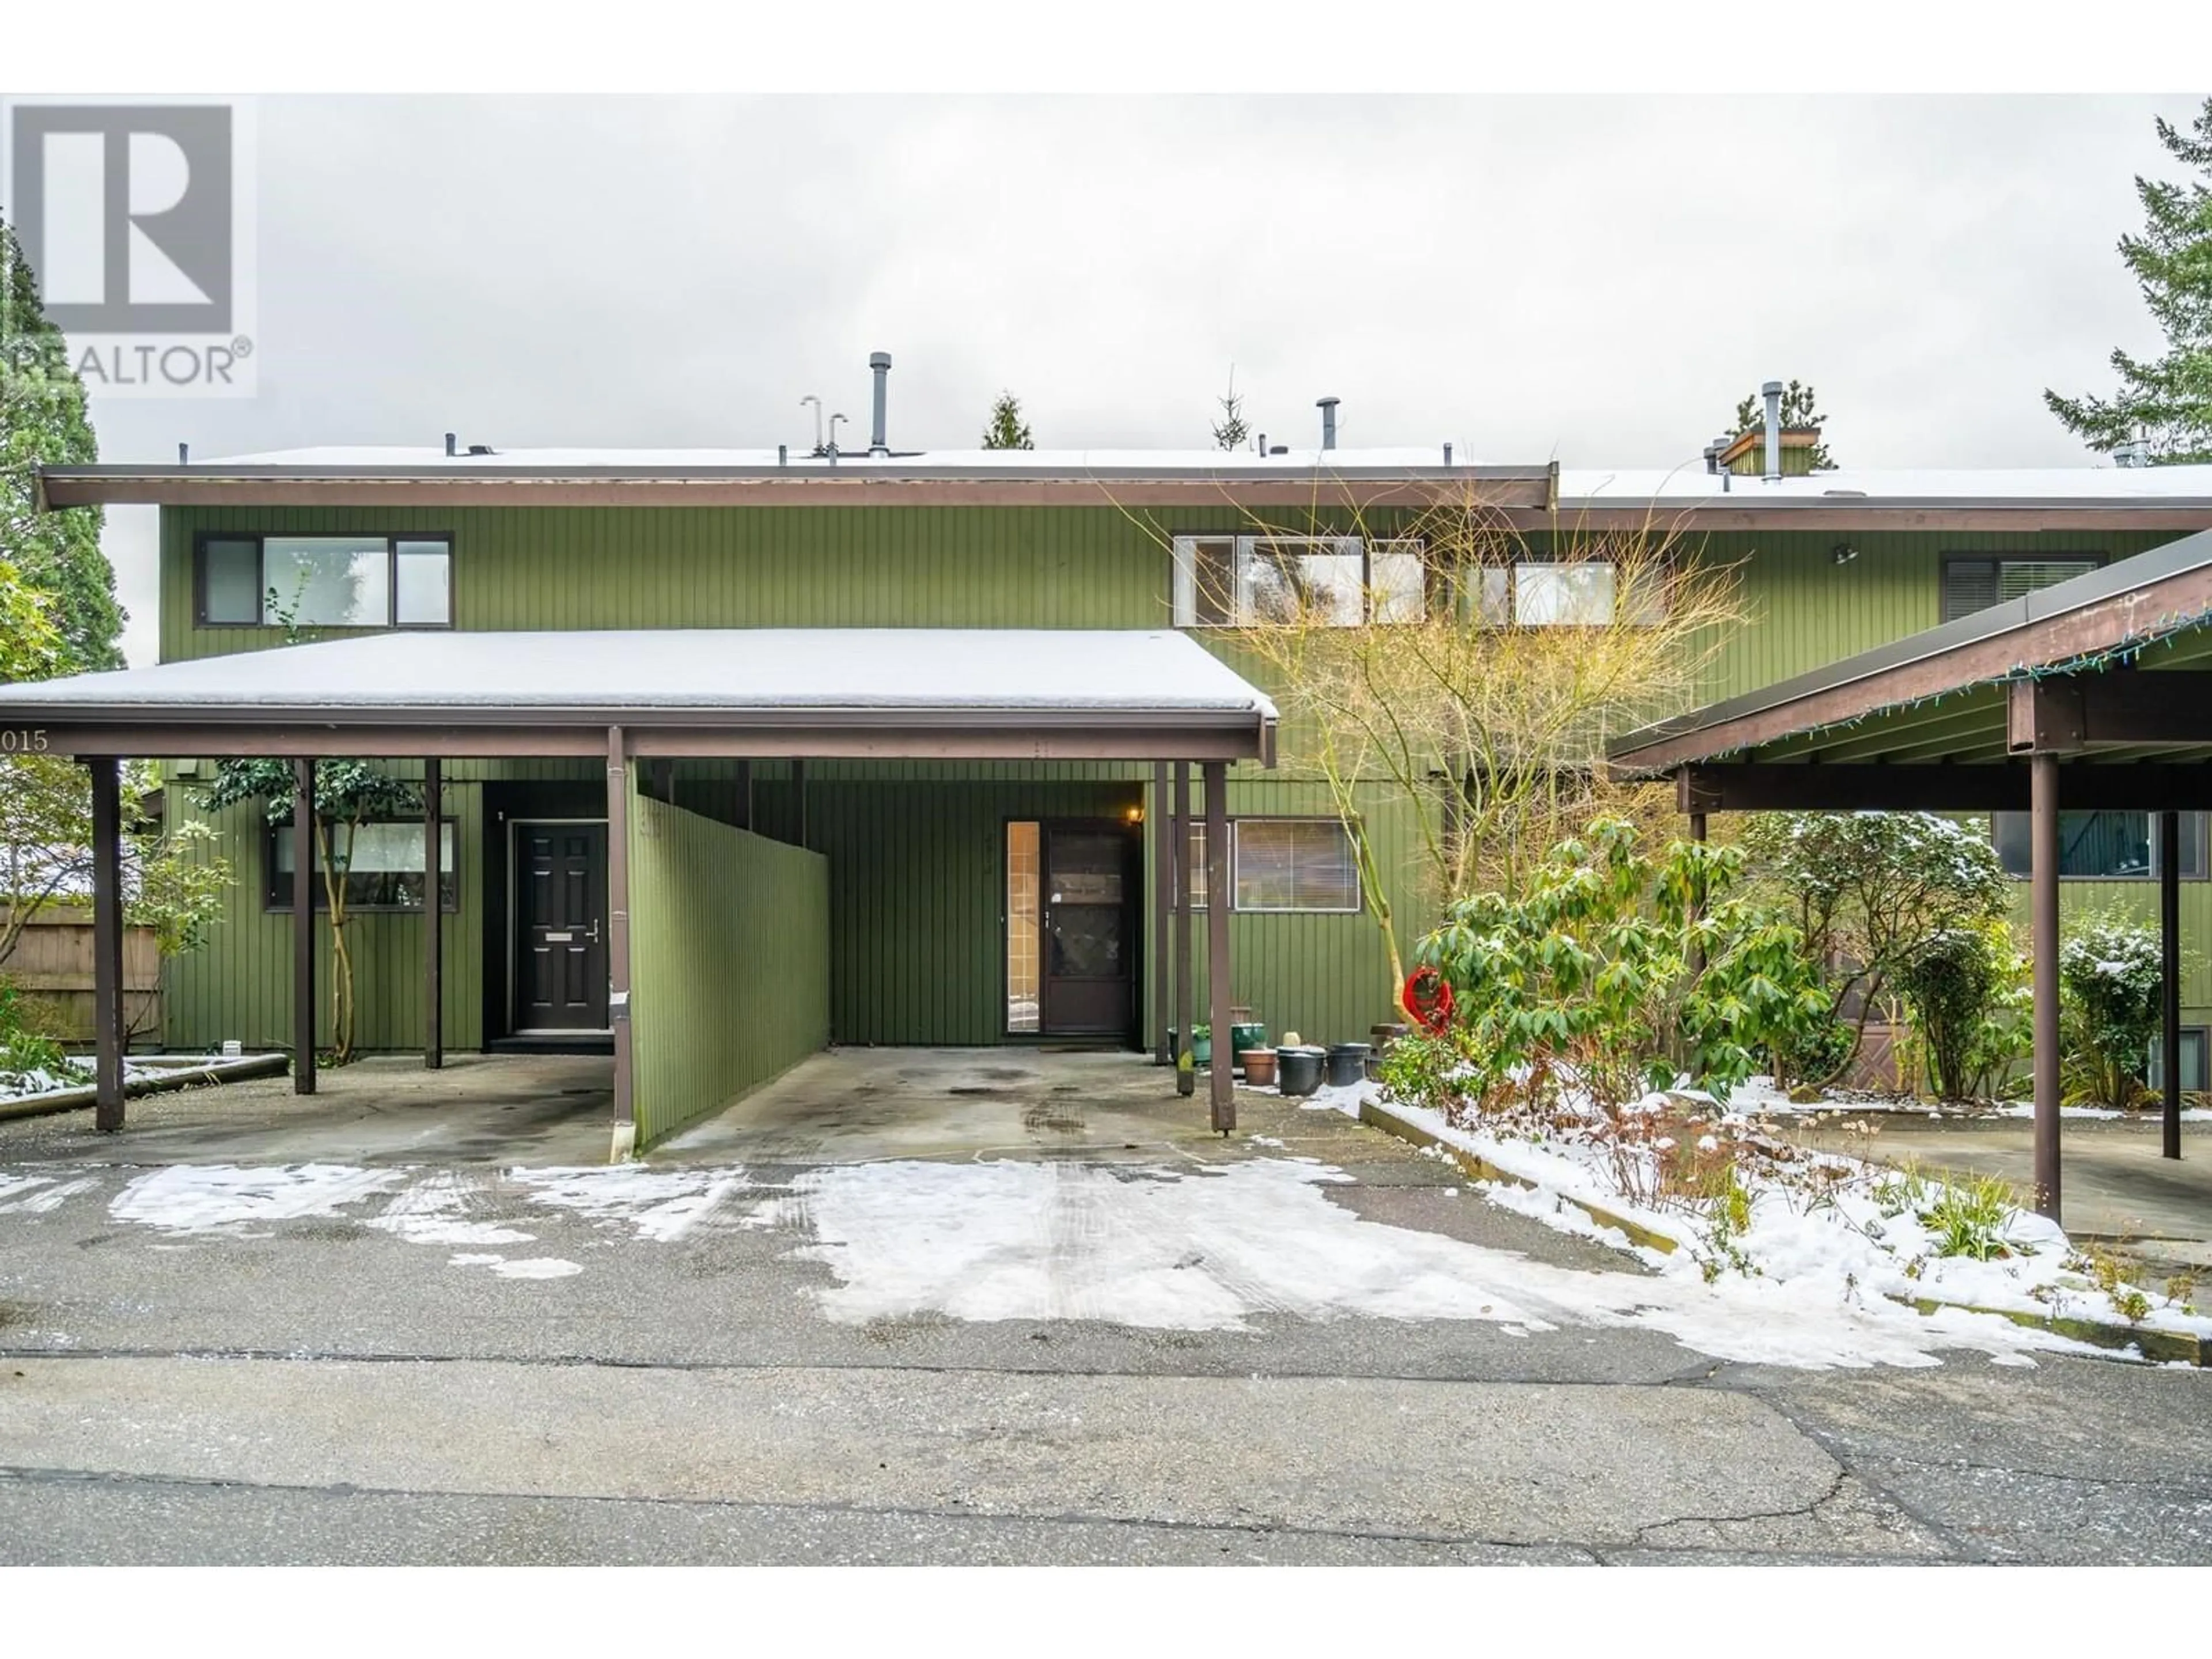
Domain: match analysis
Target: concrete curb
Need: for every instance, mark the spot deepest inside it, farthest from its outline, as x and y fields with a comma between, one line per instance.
x=180, y=1076
x=2151, y=1344
x=1476, y=1167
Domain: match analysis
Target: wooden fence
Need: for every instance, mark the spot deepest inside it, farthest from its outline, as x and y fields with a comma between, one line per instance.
x=50, y=968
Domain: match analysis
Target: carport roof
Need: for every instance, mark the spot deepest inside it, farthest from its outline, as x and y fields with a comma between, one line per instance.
x=2108, y=670
x=950, y=693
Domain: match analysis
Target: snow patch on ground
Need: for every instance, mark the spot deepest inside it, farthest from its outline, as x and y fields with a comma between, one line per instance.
x=660, y=1205
x=535, y=1266
x=434, y=1211
x=188, y=1198
x=1211, y=1250
x=38, y=1194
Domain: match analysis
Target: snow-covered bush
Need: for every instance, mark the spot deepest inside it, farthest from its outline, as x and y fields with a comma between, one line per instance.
x=2109, y=977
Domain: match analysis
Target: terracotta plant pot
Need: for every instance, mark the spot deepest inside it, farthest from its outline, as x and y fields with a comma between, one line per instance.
x=1259, y=1066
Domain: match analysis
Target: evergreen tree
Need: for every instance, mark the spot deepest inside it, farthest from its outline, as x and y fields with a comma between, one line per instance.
x=1799, y=407
x=43, y=421
x=2167, y=400
x=1230, y=431
x=1008, y=430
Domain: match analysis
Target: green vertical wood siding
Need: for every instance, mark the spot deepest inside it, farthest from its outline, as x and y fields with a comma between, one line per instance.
x=729, y=962
x=915, y=850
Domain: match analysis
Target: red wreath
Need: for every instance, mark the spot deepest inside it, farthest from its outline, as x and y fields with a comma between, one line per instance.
x=1428, y=998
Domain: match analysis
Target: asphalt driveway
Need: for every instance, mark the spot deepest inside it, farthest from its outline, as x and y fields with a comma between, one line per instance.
x=1119, y=1341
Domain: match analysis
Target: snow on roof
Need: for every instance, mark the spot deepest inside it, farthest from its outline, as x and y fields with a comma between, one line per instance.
x=915, y=669
x=1693, y=485
x=1075, y=463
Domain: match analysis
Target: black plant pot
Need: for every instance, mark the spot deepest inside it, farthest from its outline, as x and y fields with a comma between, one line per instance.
x=1297, y=1071
x=1348, y=1063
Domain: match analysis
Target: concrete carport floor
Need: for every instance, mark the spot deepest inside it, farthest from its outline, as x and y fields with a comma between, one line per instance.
x=859, y=1105
x=381, y=1109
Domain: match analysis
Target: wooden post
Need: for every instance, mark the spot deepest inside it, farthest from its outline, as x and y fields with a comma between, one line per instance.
x=1223, y=1091
x=1697, y=907
x=2169, y=950
x=303, y=927
x=434, y=918
x=109, y=1033
x=618, y=1008
x=1186, y=1081
x=2042, y=843
x=1161, y=1002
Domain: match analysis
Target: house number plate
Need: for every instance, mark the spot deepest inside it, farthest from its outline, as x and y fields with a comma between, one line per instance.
x=559, y=939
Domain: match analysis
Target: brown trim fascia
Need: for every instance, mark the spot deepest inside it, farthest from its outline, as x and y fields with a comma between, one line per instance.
x=2089, y=630
x=1508, y=492
x=184, y=739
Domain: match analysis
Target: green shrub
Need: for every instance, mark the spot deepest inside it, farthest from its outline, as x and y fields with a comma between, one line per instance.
x=2109, y=978
x=1951, y=983
x=1615, y=972
x=1972, y=1218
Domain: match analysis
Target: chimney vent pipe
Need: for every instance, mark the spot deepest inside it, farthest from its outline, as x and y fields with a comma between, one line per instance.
x=452, y=447
x=1772, y=393
x=880, y=362
x=1328, y=407
x=184, y=454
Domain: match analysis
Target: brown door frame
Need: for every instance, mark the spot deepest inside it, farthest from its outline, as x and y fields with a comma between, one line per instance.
x=1132, y=839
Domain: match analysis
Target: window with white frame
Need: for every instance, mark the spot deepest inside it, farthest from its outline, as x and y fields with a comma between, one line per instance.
x=1282, y=865
x=1333, y=581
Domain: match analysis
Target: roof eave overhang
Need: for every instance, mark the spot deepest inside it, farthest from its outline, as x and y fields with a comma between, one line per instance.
x=488, y=731
x=1505, y=488
x=2140, y=600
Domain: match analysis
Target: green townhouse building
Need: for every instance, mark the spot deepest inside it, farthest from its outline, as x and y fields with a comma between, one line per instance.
x=892, y=734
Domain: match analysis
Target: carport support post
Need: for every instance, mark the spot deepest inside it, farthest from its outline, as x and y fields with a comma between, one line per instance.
x=2042, y=843
x=1161, y=999
x=625, y=1135
x=2169, y=952
x=1222, y=1086
x=433, y=919
x=1186, y=1080
x=303, y=926
x=106, y=941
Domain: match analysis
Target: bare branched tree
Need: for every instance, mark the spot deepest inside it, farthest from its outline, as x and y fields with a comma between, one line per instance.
x=1468, y=674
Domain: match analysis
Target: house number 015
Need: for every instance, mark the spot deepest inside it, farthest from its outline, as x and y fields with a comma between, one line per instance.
x=22, y=740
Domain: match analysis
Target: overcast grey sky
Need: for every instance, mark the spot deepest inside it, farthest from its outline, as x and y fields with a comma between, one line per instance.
x=1595, y=279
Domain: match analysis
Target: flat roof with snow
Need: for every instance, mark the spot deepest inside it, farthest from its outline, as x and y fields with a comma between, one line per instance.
x=1530, y=494
x=891, y=692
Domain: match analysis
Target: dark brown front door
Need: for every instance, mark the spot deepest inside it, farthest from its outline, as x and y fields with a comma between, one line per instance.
x=1089, y=920
x=561, y=932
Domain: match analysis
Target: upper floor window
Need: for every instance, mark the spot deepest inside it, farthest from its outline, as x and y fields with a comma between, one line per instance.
x=1973, y=583
x=2100, y=846
x=1331, y=581
x=325, y=582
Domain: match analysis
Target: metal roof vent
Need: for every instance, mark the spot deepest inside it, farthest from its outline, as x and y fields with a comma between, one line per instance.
x=880, y=362
x=1328, y=407
x=1772, y=393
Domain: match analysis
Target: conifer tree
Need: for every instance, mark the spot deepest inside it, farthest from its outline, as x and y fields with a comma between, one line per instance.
x=1008, y=430
x=1230, y=431
x=43, y=421
x=2166, y=401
